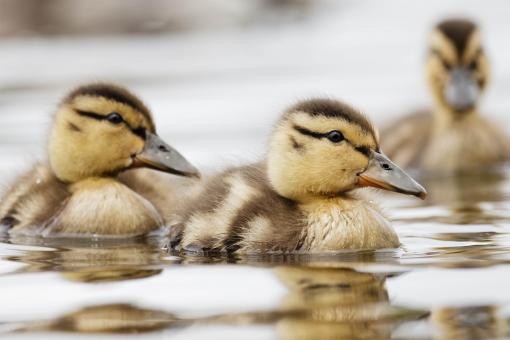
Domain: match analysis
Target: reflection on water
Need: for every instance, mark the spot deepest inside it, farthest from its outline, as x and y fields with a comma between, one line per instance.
x=321, y=302
x=115, y=318
x=96, y=261
x=138, y=286
x=470, y=323
x=338, y=303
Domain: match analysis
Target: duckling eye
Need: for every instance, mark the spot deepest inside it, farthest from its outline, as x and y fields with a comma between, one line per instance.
x=472, y=65
x=114, y=118
x=335, y=136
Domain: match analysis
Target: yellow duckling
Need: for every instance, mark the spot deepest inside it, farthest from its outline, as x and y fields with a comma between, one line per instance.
x=300, y=198
x=99, y=130
x=452, y=137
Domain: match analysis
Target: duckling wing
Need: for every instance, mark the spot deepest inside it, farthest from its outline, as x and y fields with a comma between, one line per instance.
x=33, y=199
x=492, y=140
x=405, y=140
x=165, y=191
x=467, y=145
x=238, y=211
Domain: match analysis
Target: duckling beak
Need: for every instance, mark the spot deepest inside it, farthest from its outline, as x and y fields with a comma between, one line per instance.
x=461, y=91
x=384, y=174
x=158, y=155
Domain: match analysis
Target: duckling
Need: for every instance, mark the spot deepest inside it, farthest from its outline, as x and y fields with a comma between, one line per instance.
x=300, y=198
x=452, y=137
x=99, y=130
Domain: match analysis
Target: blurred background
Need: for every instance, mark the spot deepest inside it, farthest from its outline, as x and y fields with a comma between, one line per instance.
x=217, y=73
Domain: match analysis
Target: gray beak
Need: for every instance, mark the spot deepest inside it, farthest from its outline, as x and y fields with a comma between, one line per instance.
x=384, y=174
x=158, y=155
x=462, y=91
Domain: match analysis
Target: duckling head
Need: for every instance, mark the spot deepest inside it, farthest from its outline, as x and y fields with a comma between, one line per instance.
x=323, y=148
x=457, y=68
x=102, y=129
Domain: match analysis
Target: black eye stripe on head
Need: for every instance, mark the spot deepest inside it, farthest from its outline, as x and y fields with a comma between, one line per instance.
x=474, y=63
x=90, y=115
x=139, y=131
x=445, y=63
x=334, y=136
x=365, y=150
x=307, y=132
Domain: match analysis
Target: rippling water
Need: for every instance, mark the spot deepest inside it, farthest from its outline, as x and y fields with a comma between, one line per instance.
x=450, y=278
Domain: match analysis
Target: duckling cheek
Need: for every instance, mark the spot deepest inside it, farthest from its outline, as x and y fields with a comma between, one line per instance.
x=436, y=76
x=341, y=166
x=137, y=146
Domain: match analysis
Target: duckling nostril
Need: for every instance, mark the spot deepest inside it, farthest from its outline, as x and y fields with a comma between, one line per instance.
x=386, y=166
x=163, y=148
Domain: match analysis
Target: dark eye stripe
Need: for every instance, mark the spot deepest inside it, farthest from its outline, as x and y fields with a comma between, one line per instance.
x=473, y=64
x=140, y=131
x=91, y=115
x=307, y=132
x=364, y=150
x=445, y=63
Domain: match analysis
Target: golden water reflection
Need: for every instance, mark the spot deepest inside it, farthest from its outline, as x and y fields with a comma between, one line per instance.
x=476, y=322
x=107, y=261
x=321, y=302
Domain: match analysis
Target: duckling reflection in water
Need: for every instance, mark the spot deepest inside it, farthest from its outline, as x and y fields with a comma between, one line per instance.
x=99, y=130
x=88, y=262
x=300, y=198
x=113, y=318
x=322, y=303
x=452, y=137
x=476, y=322
x=338, y=303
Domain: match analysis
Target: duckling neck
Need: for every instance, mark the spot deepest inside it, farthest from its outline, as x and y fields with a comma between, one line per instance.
x=93, y=183
x=446, y=116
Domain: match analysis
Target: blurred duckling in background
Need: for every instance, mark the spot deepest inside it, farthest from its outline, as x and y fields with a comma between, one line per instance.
x=452, y=137
x=300, y=198
x=99, y=130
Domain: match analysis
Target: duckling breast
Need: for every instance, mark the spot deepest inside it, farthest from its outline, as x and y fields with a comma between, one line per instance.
x=100, y=206
x=346, y=223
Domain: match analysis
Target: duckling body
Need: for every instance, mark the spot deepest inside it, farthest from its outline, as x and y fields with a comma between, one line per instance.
x=251, y=218
x=299, y=199
x=467, y=144
x=100, y=130
x=452, y=137
x=33, y=199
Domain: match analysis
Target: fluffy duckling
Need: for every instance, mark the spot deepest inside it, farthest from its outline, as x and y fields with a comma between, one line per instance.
x=99, y=130
x=299, y=198
x=452, y=137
